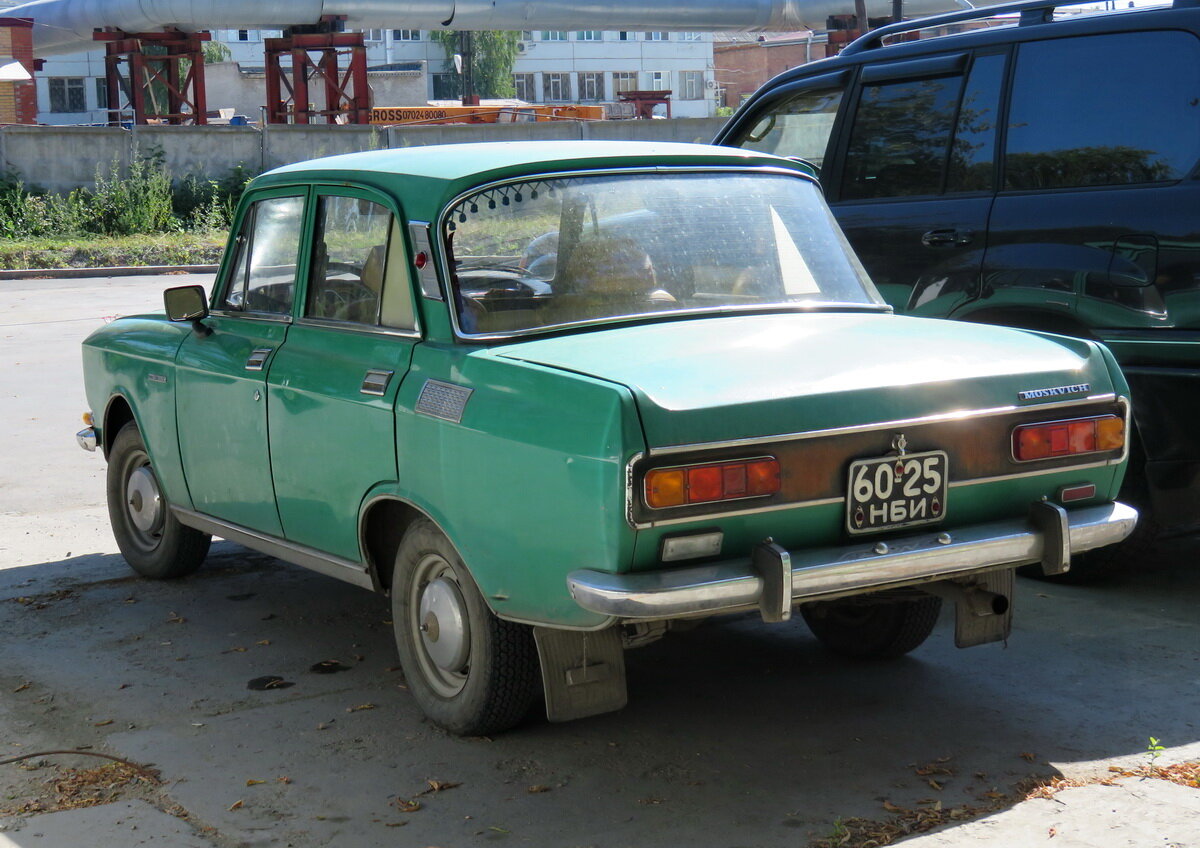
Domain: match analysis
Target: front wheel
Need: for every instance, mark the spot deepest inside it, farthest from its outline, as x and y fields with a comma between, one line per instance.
x=471, y=673
x=867, y=628
x=151, y=539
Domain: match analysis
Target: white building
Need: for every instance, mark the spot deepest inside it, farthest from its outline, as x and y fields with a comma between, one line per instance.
x=553, y=67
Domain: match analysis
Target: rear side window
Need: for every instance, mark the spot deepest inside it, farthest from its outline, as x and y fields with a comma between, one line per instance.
x=1104, y=110
x=901, y=138
x=799, y=126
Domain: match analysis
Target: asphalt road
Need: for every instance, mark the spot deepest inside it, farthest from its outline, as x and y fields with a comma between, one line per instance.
x=737, y=733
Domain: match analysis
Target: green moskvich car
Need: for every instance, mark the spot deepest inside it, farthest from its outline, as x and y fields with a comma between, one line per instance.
x=555, y=398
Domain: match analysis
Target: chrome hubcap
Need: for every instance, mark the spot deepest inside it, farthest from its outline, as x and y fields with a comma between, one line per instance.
x=444, y=629
x=440, y=626
x=143, y=500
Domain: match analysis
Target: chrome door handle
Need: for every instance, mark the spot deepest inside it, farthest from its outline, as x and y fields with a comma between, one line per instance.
x=258, y=358
x=940, y=238
x=376, y=382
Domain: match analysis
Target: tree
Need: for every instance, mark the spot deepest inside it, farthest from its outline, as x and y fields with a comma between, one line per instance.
x=492, y=57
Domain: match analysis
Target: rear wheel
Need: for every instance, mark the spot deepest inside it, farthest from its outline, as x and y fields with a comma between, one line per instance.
x=151, y=539
x=471, y=672
x=866, y=628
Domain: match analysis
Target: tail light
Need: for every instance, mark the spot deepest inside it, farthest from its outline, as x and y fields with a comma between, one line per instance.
x=683, y=485
x=1068, y=438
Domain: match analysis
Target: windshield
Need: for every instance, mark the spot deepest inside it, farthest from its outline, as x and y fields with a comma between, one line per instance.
x=549, y=252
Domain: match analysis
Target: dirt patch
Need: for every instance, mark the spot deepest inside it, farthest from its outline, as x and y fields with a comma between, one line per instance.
x=73, y=788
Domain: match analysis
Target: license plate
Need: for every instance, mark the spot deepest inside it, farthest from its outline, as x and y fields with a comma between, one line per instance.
x=896, y=491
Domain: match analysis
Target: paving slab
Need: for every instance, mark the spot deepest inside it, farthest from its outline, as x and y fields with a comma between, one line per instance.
x=1131, y=813
x=122, y=825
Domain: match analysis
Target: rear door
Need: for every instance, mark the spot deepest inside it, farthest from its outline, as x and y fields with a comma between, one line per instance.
x=333, y=384
x=913, y=183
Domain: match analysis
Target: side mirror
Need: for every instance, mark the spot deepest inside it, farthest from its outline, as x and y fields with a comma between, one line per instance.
x=187, y=303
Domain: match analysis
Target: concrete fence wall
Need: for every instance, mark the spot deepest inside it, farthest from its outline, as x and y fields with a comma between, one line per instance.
x=63, y=158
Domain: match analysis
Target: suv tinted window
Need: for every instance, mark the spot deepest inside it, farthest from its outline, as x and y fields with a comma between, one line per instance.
x=974, y=151
x=800, y=126
x=901, y=138
x=1104, y=110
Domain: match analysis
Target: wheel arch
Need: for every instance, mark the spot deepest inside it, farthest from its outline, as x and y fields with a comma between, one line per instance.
x=384, y=520
x=117, y=414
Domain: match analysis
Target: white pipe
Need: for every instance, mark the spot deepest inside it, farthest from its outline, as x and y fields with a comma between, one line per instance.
x=66, y=26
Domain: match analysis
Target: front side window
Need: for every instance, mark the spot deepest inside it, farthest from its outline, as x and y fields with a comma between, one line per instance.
x=901, y=138
x=1081, y=118
x=544, y=253
x=799, y=126
x=267, y=252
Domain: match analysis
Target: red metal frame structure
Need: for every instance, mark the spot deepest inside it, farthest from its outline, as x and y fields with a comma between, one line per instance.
x=346, y=94
x=185, y=92
x=645, y=101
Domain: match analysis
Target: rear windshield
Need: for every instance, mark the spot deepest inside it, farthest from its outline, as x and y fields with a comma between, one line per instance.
x=550, y=252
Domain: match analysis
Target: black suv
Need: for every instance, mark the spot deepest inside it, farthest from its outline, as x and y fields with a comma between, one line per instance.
x=1041, y=174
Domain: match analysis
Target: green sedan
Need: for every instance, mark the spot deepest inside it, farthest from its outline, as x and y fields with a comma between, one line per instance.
x=557, y=399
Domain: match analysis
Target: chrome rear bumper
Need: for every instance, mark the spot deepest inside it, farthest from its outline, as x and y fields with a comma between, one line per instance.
x=1049, y=537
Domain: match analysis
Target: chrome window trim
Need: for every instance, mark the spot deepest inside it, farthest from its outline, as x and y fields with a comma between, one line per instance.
x=443, y=266
x=709, y=517
x=886, y=425
x=275, y=317
x=354, y=327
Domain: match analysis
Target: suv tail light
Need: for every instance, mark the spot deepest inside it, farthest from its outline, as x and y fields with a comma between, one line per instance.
x=682, y=485
x=1068, y=438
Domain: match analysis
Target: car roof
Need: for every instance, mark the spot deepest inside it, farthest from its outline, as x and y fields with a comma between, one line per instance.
x=425, y=178
x=453, y=162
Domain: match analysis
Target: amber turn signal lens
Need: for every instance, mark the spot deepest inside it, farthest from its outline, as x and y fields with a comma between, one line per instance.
x=720, y=481
x=1068, y=438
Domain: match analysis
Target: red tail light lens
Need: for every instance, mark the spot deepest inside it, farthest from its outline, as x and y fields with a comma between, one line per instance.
x=1068, y=438
x=721, y=481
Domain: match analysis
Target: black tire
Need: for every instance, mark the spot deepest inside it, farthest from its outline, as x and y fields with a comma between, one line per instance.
x=476, y=675
x=872, y=628
x=151, y=539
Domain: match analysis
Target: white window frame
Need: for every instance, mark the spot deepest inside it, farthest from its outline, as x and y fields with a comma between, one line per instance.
x=551, y=81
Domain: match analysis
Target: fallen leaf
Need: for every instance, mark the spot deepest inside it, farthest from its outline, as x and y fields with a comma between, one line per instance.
x=238, y=650
x=22, y=687
x=253, y=782
x=892, y=808
x=1052, y=832
x=407, y=806
x=396, y=824
x=934, y=784
x=263, y=642
x=283, y=780
x=1028, y=756
x=236, y=805
x=537, y=789
x=440, y=785
x=360, y=707
x=498, y=829
x=104, y=723
x=175, y=618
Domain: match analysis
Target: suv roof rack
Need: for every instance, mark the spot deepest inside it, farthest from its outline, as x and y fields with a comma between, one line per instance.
x=1031, y=12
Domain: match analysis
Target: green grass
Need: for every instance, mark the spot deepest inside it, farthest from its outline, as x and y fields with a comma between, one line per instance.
x=191, y=248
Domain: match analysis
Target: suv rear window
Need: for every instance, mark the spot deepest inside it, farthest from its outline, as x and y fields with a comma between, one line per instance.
x=1104, y=110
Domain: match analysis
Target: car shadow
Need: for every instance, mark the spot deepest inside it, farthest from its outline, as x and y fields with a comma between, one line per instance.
x=737, y=732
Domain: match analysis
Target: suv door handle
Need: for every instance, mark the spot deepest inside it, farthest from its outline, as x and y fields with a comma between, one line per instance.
x=939, y=238
x=258, y=358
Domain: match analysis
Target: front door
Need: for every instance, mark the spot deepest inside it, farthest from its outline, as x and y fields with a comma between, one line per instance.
x=222, y=375
x=333, y=385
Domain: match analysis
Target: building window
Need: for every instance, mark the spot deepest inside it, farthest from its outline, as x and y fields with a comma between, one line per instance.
x=556, y=87
x=691, y=85
x=658, y=80
x=527, y=35
x=591, y=86
x=249, y=35
x=66, y=94
x=626, y=36
x=526, y=87
x=588, y=35
x=372, y=35
x=554, y=35
x=101, y=93
x=406, y=35
x=658, y=36
x=691, y=36
x=624, y=81
x=445, y=86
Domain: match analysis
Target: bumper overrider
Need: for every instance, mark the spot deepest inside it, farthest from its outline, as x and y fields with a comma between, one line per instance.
x=773, y=579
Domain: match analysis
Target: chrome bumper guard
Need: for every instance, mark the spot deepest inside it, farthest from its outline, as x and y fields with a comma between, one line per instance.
x=1050, y=536
x=86, y=438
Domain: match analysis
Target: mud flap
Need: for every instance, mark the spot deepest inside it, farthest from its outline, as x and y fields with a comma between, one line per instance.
x=976, y=619
x=583, y=674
